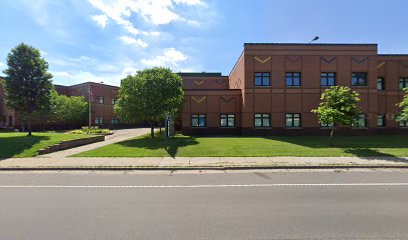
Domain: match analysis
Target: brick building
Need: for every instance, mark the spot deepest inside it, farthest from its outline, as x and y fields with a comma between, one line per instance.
x=273, y=87
x=102, y=98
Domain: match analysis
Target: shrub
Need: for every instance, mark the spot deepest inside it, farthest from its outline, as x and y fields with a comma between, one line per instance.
x=90, y=130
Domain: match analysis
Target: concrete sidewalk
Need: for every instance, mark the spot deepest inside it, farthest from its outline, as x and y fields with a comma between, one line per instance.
x=118, y=136
x=72, y=163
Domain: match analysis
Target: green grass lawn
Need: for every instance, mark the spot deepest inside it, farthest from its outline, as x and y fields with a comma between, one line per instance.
x=16, y=144
x=184, y=146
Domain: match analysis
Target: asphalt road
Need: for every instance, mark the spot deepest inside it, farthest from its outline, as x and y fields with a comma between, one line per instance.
x=243, y=205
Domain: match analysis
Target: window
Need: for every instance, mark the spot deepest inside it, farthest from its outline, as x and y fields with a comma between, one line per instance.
x=381, y=120
x=98, y=120
x=292, y=120
x=99, y=99
x=361, y=121
x=115, y=120
x=403, y=83
x=293, y=79
x=198, y=120
x=327, y=79
x=380, y=84
x=114, y=101
x=326, y=125
x=403, y=123
x=227, y=120
x=359, y=79
x=262, y=79
x=262, y=120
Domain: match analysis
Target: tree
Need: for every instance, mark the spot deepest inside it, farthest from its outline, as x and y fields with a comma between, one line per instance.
x=66, y=109
x=150, y=94
x=403, y=116
x=28, y=83
x=338, y=106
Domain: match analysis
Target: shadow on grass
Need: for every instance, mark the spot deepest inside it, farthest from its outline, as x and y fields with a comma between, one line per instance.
x=373, y=154
x=12, y=146
x=172, y=146
x=360, y=146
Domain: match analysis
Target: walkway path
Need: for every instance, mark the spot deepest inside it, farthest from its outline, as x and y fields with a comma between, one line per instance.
x=118, y=136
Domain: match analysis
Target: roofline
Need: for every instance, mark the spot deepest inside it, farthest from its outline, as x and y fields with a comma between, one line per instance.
x=315, y=44
x=211, y=89
x=236, y=62
x=91, y=83
x=393, y=55
x=201, y=74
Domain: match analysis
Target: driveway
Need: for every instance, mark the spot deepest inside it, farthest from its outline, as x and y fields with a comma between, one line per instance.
x=118, y=136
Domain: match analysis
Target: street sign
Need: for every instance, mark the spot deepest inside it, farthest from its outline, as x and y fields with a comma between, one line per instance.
x=169, y=123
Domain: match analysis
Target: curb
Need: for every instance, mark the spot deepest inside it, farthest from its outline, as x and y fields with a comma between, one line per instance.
x=223, y=168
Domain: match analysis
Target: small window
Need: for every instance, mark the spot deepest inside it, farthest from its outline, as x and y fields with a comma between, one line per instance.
x=98, y=120
x=292, y=120
x=227, y=120
x=380, y=84
x=326, y=125
x=293, y=79
x=198, y=120
x=262, y=120
x=99, y=99
x=403, y=123
x=114, y=101
x=359, y=79
x=327, y=79
x=361, y=121
x=381, y=120
x=115, y=120
x=403, y=83
x=262, y=79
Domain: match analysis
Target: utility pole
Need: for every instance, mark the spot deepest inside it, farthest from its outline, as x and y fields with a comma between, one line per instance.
x=89, y=106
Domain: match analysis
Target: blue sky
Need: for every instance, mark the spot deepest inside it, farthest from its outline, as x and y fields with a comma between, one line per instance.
x=104, y=40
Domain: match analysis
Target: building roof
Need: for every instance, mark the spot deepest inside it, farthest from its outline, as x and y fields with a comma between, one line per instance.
x=315, y=44
x=393, y=55
x=200, y=74
x=94, y=83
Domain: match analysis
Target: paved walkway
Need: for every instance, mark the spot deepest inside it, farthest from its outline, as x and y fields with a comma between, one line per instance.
x=118, y=136
x=199, y=162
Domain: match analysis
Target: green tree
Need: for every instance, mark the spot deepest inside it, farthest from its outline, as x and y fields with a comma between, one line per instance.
x=28, y=83
x=338, y=106
x=66, y=109
x=150, y=94
x=403, y=116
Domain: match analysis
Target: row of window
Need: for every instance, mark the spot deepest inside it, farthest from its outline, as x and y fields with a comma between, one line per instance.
x=327, y=79
x=101, y=100
x=293, y=120
x=99, y=120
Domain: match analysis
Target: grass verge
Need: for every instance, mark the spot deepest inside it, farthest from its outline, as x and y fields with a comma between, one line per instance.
x=301, y=146
x=18, y=144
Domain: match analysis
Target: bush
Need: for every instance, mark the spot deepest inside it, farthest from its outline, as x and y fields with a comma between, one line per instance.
x=90, y=130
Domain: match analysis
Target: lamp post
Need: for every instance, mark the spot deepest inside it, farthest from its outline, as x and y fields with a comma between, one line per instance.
x=314, y=39
x=89, y=106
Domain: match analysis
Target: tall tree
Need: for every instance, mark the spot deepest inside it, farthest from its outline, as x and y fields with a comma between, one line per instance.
x=403, y=116
x=338, y=106
x=150, y=94
x=28, y=82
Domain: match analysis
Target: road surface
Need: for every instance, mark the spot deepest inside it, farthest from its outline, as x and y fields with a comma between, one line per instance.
x=234, y=205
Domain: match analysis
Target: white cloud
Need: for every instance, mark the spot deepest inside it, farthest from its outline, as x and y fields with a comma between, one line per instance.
x=170, y=56
x=61, y=74
x=75, y=77
x=132, y=41
x=2, y=64
x=129, y=70
x=101, y=20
